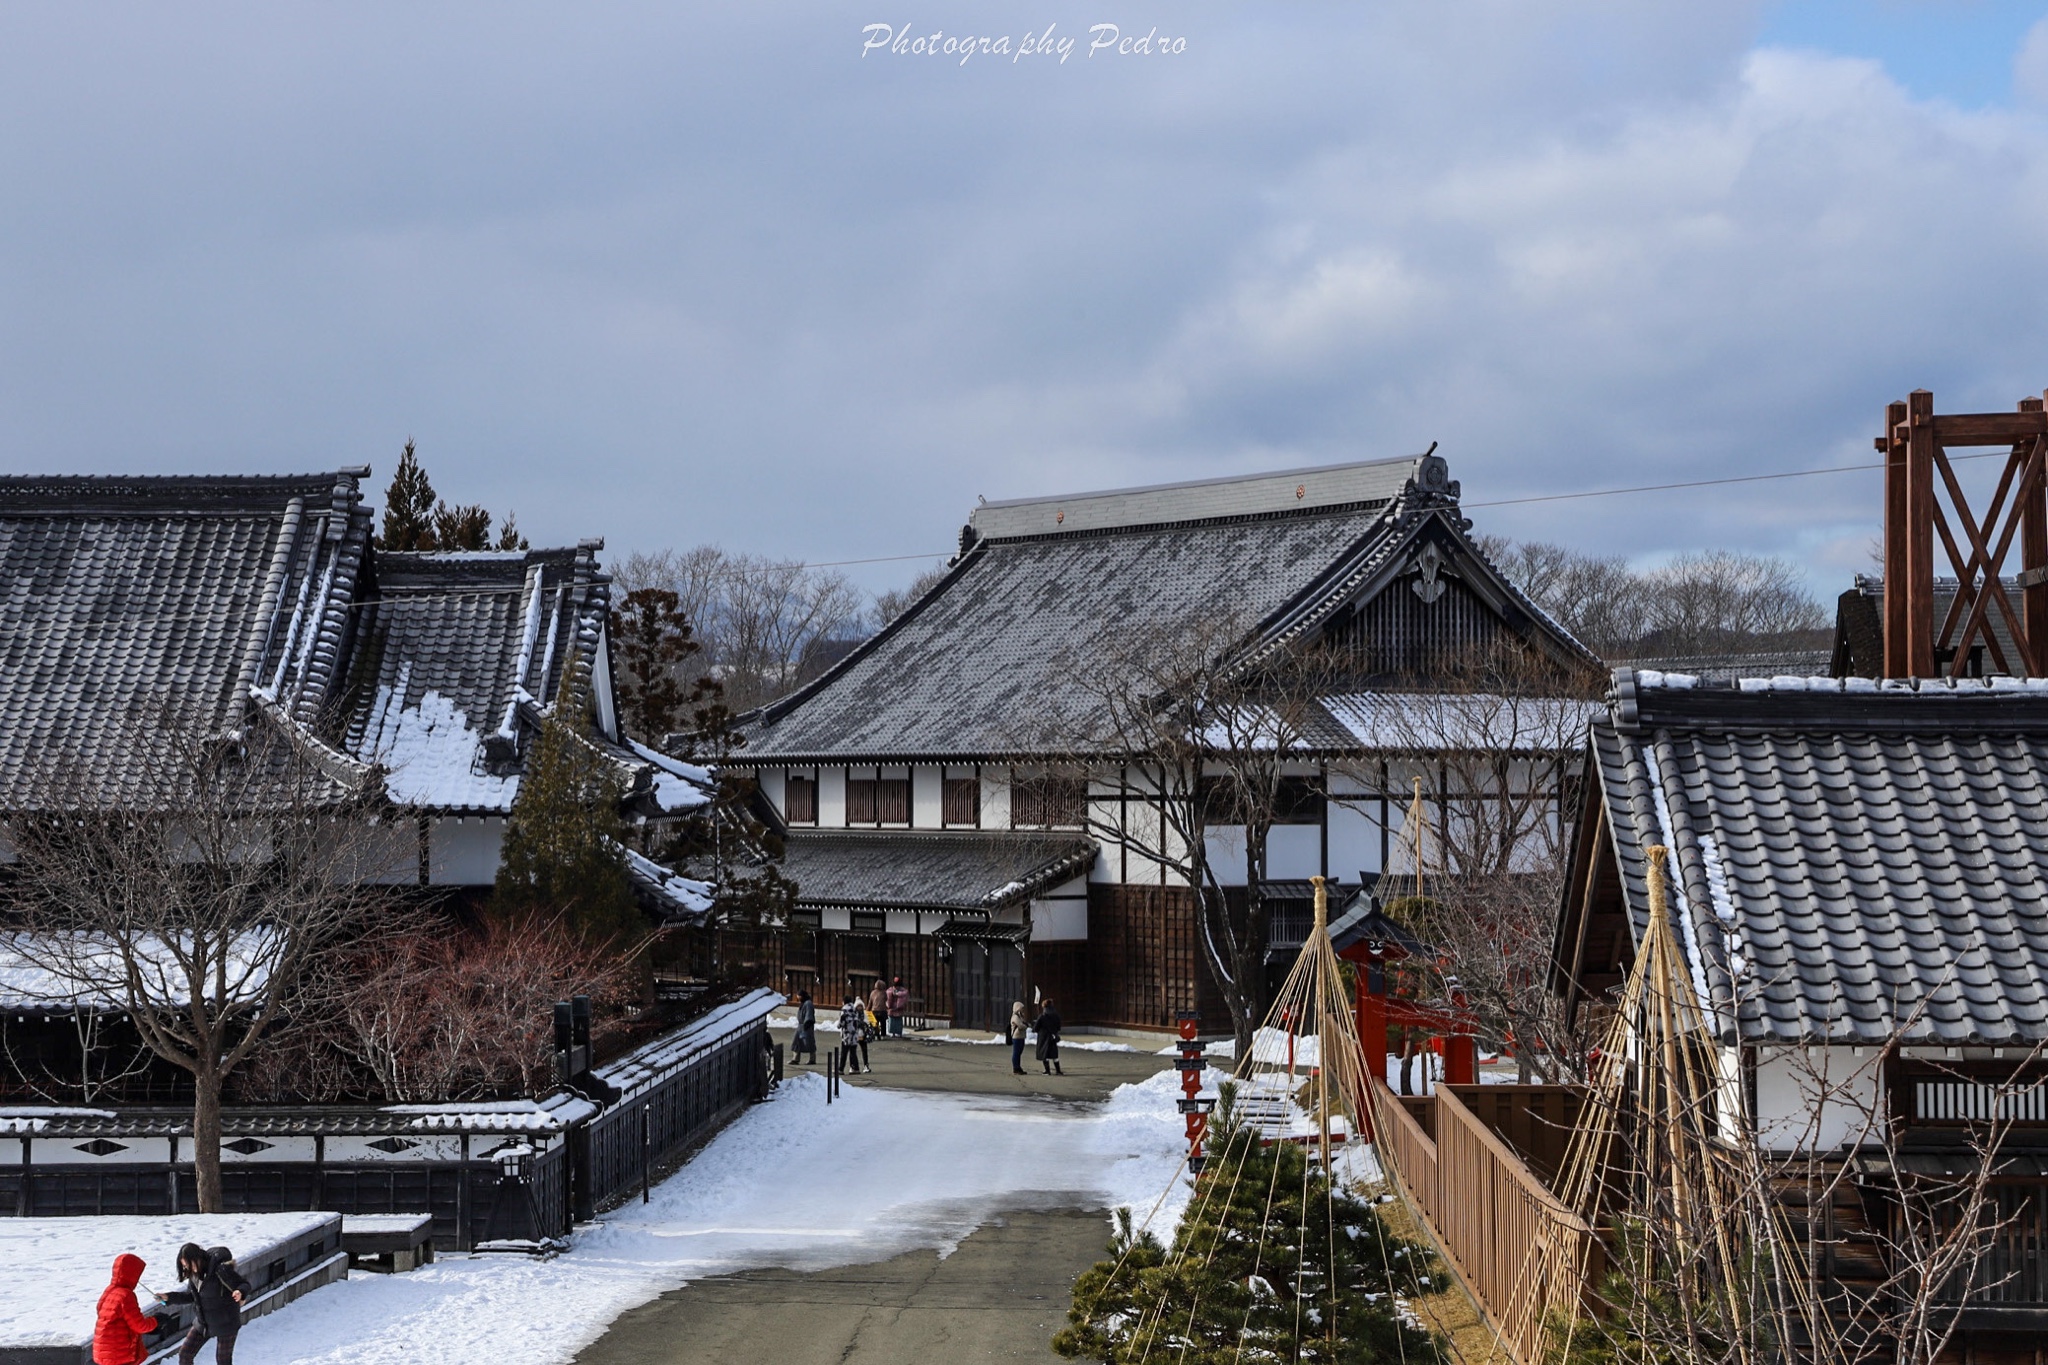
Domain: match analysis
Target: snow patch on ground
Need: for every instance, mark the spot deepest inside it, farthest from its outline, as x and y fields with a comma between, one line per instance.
x=792, y=1183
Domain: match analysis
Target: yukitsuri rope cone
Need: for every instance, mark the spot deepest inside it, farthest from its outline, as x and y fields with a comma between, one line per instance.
x=1303, y=1082
x=1663, y=1155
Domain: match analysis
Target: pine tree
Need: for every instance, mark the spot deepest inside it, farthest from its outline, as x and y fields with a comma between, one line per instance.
x=655, y=642
x=408, y=507
x=508, y=535
x=563, y=852
x=1269, y=1263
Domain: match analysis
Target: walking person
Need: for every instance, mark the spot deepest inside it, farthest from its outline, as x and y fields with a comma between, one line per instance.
x=851, y=1026
x=806, y=1040
x=217, y=1288
x=1020, y=1029
x=898, y=1000
x=119, y=1326
x=1048, y=1026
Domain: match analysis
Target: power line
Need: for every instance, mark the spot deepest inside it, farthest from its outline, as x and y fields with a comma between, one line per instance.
x=1539, y=497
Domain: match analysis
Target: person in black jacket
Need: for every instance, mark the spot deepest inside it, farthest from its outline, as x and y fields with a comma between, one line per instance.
x=1048, y=1027
x=217, y=1288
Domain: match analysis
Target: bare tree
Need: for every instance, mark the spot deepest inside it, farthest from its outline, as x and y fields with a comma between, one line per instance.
x=893, y=603
x=1484, y=755
x=1709, y=602
x=1189, y=752
x=767, y=625
x=197, y=899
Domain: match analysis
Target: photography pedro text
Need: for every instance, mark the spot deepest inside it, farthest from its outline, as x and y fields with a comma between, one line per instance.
x=1106, y=39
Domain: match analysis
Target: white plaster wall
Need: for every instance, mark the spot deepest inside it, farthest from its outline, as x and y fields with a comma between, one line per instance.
x=1354, y=840
x=1294, y=851
x=905, y=921
x=832, y=798
x=45, y=1151
x=775, y=785
x=1816, y=1098
x=390, y=856
x=925, y=792
x=835, y=917
x=280, y=1149
x=995, y=798
x=1061, y=915
x=1226, y=853
x=465, y=852
x=434, y=1147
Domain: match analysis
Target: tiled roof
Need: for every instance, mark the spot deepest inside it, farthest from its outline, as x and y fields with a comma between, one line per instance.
x=123, y=596
x=989, y=661
x=951, y=870
x=450, y=651
x=1850, y=858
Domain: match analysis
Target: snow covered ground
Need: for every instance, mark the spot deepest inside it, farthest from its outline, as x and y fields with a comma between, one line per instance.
x=792, y=1183
x=64, y=1263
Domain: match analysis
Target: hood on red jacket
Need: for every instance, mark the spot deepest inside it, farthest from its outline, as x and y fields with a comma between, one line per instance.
x=127, y=1270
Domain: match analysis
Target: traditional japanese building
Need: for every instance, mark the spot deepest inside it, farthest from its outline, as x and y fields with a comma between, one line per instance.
x=230, y=602
x=939, y=832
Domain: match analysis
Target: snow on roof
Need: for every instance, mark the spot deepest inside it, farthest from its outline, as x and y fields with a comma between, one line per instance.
x=678, y=786
x=1926, y=687
x=1401, y=720
x=650, y=1063
x=71, y=1257
x=686, y=895
x=27, y=1120
x=550, y=1115
x=434, y=756
x=63, y=972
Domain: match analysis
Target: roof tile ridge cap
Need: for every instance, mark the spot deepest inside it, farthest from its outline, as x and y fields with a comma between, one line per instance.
x=772, y=712
x=1225, y=519
x=1687, y=857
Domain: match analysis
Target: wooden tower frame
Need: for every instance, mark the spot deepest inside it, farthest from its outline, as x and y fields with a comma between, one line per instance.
x=1916, y=471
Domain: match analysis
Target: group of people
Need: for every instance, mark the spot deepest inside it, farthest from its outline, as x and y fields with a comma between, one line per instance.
x=881, y=1015
x=860, y=1023
x=208, y=1280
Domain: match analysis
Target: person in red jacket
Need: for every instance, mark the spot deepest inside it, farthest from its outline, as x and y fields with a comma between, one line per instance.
x=117, y=1336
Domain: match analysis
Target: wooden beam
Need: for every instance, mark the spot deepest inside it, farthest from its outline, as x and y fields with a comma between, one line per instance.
x=2032, y=504
x=1896, y=664
x=1983, y=428
x=1920, y=534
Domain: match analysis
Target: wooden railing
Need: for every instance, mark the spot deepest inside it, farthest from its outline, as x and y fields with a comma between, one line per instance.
x=1520, y=1252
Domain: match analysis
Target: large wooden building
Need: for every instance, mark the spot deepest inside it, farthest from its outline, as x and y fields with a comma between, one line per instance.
x=936, y=833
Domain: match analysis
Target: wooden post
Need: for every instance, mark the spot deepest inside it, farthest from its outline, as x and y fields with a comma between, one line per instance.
x=2033, y=508
x=1372, y=1016
x=1920, y=534
x=1893, y=444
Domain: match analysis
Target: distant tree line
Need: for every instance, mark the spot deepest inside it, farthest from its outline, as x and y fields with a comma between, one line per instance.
x=1705, y=603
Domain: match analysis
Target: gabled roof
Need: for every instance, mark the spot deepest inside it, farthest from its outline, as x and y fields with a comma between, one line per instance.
x=454, y=652
x=953, y=871
x=122, y=596
x=1850, y=857
x=986, y=663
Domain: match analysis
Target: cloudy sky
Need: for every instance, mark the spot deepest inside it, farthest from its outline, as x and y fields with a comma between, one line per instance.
x=742, y=272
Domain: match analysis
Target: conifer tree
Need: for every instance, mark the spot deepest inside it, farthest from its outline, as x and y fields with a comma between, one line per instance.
x=1269, y=1263
x=563, y=852
x=467, y=527
x=655, y=642
x=408, y=506
x=508, y=535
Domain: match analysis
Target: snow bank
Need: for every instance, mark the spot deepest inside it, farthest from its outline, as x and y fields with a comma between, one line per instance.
x=62, y=1264
x=792, y=1183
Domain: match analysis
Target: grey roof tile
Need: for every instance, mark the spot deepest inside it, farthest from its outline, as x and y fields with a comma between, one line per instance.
x=951, y=871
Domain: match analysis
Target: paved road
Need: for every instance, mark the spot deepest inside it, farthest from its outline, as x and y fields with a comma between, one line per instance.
x=984, y=1069
x=1000, y=1296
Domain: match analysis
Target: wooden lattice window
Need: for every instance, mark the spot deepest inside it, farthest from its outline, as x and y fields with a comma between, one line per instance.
x=961, y=801
x=800, y=801
x=1049, y=802
x=878, y=801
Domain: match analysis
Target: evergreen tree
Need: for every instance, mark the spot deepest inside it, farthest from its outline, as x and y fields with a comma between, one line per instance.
x=408, y=507
x=563, y=852
x=467, y=527
x=508, y=535
x=1269, y=1263
x=655, y=642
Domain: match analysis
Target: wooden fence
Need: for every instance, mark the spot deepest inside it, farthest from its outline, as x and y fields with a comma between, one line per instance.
x=1516, y=1248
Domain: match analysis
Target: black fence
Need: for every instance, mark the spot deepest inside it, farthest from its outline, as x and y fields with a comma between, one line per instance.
x=505, y=1184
